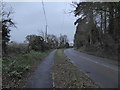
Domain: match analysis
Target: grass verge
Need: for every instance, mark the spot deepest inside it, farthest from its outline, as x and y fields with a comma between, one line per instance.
x=16, y=70
x=99, y=53
x=66, y=75
x=0, y=73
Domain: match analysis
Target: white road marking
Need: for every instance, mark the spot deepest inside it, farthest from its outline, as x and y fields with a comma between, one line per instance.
x=116, y=69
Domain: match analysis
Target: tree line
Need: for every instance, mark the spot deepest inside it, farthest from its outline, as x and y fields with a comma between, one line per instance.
x=38, y=42
x=97, y=25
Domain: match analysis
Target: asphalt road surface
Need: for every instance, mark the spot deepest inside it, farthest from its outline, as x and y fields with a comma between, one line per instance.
x=42, y=77
x=103, y=71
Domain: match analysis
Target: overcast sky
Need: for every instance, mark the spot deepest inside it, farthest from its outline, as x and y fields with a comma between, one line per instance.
x=30, y=19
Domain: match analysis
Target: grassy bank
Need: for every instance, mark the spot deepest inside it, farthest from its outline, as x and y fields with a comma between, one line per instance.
x=17, y=69
x=99, y=52
x=66, y=75
x=0, y=73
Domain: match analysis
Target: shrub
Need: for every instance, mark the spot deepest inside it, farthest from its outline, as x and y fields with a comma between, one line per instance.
x=17, y=48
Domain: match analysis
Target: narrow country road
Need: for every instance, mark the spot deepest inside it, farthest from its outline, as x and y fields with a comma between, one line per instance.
x=42, y=77
x=103, y=71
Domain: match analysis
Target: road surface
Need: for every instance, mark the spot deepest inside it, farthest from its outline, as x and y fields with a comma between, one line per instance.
x=103, y=71
x=42, y=77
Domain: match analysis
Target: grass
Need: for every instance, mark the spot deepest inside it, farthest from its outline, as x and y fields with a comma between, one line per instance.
x=0, y=73
x=66, y=75
x=99, y=52
x=16, y=70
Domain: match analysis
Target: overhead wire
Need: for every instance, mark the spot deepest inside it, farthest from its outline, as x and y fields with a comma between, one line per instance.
x=64, y=12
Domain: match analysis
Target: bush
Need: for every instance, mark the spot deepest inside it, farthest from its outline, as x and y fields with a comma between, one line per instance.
x=17, y=48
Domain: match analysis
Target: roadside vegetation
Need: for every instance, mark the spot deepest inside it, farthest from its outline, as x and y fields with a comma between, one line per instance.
x=18, y=64
x=100, y=53
x=66, y=75
x=16, y=70
x=20, y=59
x=0, y=73
x=97, y=28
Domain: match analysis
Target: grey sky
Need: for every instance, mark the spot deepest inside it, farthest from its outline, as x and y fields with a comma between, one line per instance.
x=30, y=19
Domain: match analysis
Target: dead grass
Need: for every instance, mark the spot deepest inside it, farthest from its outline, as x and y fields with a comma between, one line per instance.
x=66, y=75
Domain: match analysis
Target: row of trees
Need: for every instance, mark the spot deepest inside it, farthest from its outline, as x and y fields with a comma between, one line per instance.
x=38, y=43
x=97, y=24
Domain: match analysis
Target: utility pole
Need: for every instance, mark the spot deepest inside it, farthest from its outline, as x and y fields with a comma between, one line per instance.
x=45, y=21
x=46, y=34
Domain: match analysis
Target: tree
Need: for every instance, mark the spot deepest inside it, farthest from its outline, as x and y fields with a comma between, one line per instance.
x=7, y=23
x=36, y=43
x=96, y=23
x=52, y=41
x=62, y=41
x=67, y=45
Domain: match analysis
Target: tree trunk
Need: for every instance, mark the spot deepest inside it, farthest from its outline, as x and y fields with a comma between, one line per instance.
x=105, y=22
x=100, y=32
x=111, y=19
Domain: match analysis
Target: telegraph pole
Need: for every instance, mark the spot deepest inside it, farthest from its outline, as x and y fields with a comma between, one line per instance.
x=45, y=21
x=46, y=34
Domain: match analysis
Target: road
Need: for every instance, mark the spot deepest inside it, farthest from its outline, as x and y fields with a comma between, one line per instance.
x=42, y=77
x=103, y=71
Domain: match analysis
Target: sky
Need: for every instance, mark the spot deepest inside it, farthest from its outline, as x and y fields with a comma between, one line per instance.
x=30, y=19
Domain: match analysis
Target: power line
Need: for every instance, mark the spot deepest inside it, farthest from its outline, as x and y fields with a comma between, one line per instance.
x=63, y=19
